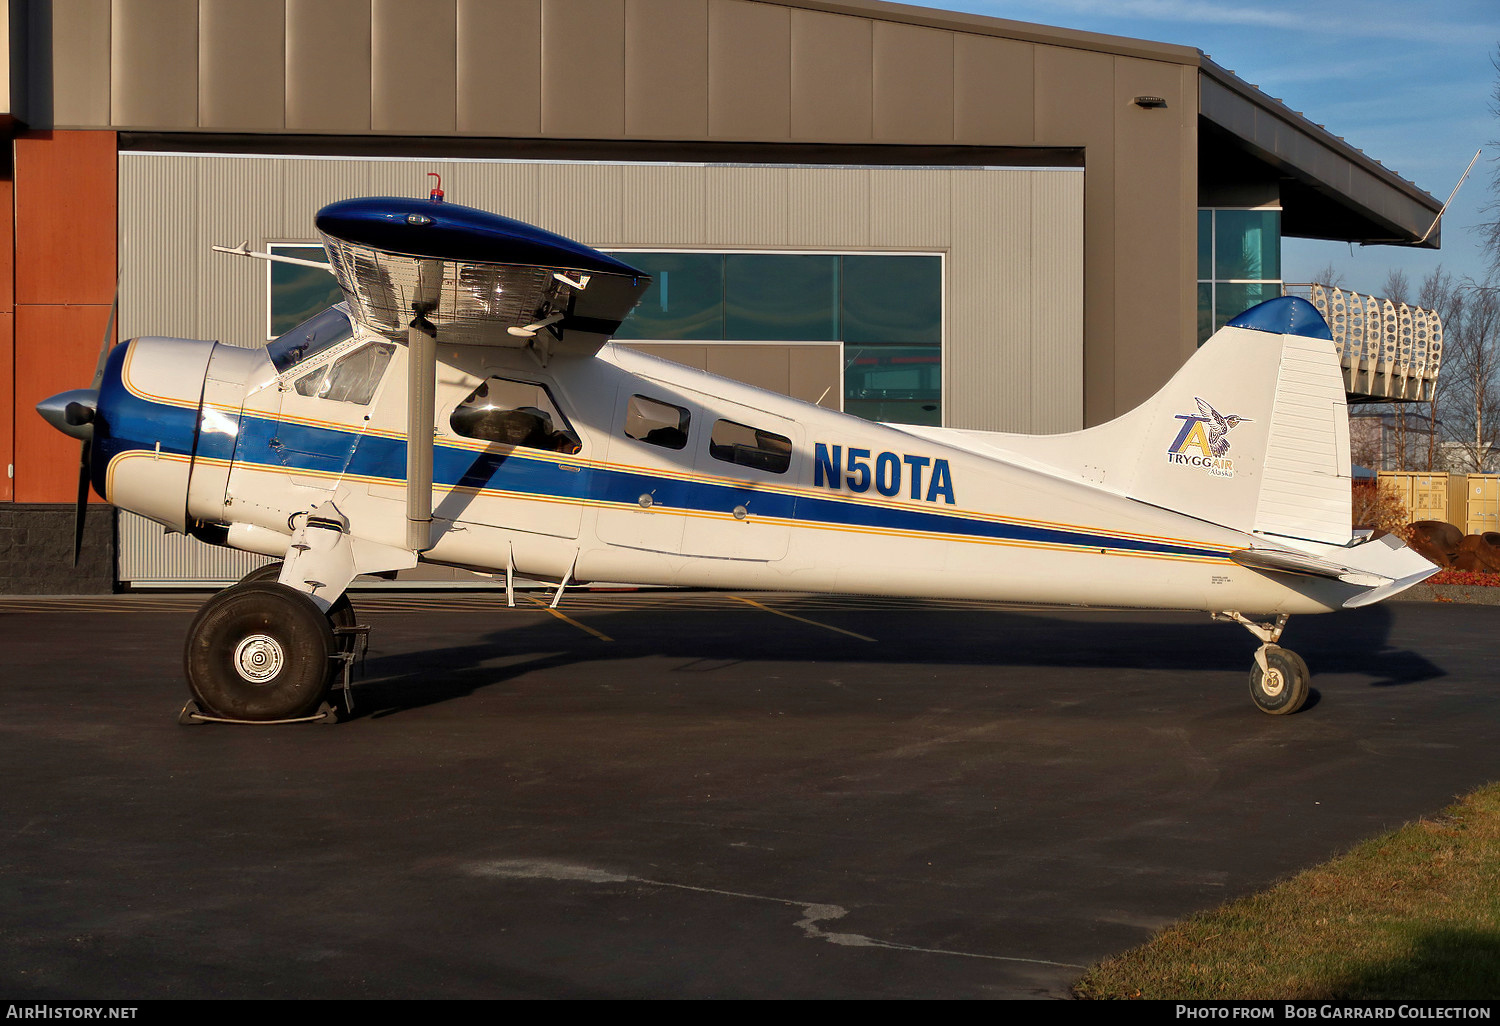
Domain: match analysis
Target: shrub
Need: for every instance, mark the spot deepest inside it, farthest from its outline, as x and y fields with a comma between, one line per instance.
x=1378, y=508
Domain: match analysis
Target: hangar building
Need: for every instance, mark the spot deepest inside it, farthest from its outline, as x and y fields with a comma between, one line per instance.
x=910, y=214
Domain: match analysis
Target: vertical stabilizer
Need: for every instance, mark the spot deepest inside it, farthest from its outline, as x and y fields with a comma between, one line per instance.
x=1252, y=433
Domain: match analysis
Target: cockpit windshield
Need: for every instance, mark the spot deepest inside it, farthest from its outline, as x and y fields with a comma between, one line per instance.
x=310, y=337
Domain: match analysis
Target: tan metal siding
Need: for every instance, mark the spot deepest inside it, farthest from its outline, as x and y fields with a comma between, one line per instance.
x=767, y=223
x=666, y=69
x=1055, y=322
x=749, y=71
x=147, y=555
x=1155, y=175
x=327, y=65
x=583, y=68
x=993, y=91
x=1062, y=76
x=154, y=63
x=832, y=79
x=913, y=83
x=499, y=67
x=230, y=286
x=413, y=74
x=242, y=65
x=833, y=205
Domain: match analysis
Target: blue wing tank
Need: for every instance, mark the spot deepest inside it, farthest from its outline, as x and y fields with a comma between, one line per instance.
x=477, y=278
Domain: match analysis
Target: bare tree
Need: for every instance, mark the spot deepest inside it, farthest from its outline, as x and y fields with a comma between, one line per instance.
x=1329, y=275
x=1471, y=404
x=1490, y=231
x=1440, y=295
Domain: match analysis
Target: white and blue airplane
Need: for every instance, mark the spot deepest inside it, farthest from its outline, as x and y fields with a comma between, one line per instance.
x=462, y=407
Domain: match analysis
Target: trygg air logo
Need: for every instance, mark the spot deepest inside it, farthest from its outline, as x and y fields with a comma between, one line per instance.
x=1203, y=441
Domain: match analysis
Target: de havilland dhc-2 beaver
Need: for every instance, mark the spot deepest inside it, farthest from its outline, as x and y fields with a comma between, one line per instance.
x=462, y=407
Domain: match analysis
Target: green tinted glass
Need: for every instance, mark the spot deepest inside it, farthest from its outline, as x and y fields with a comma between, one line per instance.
x=685, y=299
x=893, y=299
x=893, y=372
x=1233, y=300
x=1205, y=244
x=1247, y=244
x=1205, y=312
x=775, y=298
x=299, y=292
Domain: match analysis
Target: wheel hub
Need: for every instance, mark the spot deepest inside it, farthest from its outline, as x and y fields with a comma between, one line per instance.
x=1272, y=682
x=258, y=658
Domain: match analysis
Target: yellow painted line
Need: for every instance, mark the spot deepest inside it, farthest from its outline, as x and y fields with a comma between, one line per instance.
x=568, y=619
x=789, y=616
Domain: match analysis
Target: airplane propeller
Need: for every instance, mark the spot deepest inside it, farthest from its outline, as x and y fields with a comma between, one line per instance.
x=73, y=413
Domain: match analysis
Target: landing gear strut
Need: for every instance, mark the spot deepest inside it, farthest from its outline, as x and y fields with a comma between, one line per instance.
x=1279, y=679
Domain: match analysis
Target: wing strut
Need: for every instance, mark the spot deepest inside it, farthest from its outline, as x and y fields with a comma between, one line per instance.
x=421, y=390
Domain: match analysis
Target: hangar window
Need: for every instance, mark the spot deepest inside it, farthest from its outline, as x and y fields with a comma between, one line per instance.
x=296, y=292
x=750, y=447
x=884, y=309
x=519, y=413
x=1239, y=264
x=657, y=423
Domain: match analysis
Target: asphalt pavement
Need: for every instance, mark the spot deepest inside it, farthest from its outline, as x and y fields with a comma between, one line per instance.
x=697, y=795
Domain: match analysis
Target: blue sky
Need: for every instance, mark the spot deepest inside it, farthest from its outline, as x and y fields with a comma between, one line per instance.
x=1409, y=83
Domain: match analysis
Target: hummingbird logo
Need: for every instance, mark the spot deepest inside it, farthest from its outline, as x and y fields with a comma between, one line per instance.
x=1203, y=440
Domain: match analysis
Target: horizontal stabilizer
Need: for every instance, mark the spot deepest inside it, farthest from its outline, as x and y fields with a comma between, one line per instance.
x=1385, y=591
x=1301, y=563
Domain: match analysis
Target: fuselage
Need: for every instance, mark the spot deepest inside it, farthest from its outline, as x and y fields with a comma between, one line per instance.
x=641, y=471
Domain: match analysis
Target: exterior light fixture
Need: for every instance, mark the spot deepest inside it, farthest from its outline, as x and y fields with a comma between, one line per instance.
x=1150, y=101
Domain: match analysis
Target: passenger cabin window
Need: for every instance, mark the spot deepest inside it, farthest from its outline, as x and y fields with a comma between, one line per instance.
x=750, y=447
x=657, y=423
x=309, y=338
x=352, y=378
x=518, y=413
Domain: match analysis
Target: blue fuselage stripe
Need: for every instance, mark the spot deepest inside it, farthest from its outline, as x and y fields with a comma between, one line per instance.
x=329, y=450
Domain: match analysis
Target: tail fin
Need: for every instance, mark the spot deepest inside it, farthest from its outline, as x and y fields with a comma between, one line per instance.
x=1252, y=433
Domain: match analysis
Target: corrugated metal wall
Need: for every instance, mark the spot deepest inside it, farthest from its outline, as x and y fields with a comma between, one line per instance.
x=1013, y=339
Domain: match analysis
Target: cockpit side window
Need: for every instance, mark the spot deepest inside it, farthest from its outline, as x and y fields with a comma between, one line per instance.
x=309, y=338
x=352, y=378
x=518, y=413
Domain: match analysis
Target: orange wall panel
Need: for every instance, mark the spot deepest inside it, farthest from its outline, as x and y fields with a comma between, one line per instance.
x=64, y=206
x=7, y=334
x=7, y=397
x=65, y=217
x=7, y=241
x=57, y=348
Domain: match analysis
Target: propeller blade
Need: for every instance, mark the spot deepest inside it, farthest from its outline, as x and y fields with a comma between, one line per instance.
x=81, y=509
x=109, y=332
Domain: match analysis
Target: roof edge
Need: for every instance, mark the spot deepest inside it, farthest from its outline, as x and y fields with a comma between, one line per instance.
x=1411, y=209
x=979, y=24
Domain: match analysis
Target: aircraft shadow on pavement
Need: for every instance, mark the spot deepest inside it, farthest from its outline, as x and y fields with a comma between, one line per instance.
x=1355, y=644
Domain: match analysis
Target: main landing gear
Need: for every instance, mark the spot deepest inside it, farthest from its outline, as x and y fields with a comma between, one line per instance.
x=1279, y=679
x=261, y=652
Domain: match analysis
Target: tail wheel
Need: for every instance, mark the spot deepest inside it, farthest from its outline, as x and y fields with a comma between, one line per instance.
x=259, y=651
x=1282, y=688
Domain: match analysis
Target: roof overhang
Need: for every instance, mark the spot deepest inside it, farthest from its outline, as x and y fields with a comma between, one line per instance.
x=1329, y=189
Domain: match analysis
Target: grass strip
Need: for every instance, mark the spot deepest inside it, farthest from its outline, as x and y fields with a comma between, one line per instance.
x=1412, y=915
